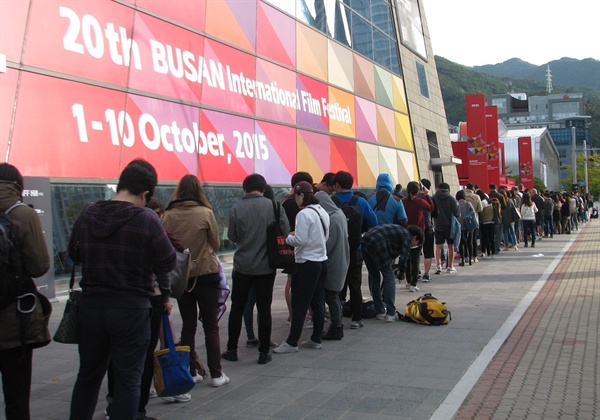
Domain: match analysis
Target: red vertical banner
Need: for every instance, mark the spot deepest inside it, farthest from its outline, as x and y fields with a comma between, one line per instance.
x=476, y=133
x=493, y=145
x=525, y=162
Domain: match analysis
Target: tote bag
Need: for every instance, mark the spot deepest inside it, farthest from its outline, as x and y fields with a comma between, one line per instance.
x=280, y=254
x=172, y=366
x=180, y=274
x=68, y=329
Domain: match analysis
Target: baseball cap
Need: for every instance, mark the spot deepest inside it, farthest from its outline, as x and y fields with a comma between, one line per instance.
x=303, y=187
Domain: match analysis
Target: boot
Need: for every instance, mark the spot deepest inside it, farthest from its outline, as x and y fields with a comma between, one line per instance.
x=333, y=333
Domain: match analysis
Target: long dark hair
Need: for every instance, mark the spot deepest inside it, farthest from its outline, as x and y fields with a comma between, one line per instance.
x=190, y=187
x=527, y=200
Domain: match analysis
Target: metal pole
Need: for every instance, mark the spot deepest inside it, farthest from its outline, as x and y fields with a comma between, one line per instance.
x=585, y=169
x=574, y=155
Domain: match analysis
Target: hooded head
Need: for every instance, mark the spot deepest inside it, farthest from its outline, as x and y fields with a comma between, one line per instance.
x=384, y=183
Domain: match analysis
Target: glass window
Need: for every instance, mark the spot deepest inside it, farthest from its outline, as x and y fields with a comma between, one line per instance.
x=362, y=36
x=362, y=7
x=381, y=17
x=422, y=79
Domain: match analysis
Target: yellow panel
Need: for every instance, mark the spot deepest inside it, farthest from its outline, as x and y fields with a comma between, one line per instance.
x=342, y=114
x=404, y=139
x=340, y=66
x=367, y=163
x=407, y=167
x=385, y=126
x=311, y=50
x=399, y=94
x=305, y=159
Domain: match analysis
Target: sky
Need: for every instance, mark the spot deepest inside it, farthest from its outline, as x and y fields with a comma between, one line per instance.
x=478, y=32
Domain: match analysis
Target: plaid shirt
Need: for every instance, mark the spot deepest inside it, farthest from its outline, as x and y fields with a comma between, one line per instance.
x=384, y=243
x=119, y=246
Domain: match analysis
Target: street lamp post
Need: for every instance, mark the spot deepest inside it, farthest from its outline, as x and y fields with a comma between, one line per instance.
x=574, y=156
x=585, y=166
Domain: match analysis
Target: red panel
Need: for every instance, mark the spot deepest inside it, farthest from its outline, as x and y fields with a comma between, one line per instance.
x=276, y=93
x=190, y=13
x=88, y=39
x=276, y=35
x=343, y=156
x=526, y=162
x=219, y=89
x=12, y=29
x=477, y=149
x=459, y=149
x=171, y=60
x=8, y=88
x=280, y=163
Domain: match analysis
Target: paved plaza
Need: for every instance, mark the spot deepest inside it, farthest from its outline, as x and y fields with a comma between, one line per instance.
x=522, y=344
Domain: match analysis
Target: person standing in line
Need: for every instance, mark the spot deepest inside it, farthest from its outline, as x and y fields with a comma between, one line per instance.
x=248, y=221
x=548, y=215
x=31, y=252
x=538, y=200
x=498, y=233
x=342, y=182
x=382, y=245
x=465, y=246
x=509, y=221
x=308, y=279
x=338, y=259
x=291, y=210
x=189, y=217
x=518, y=200
x=120, y=244
x=429, y=235
x=446, y=207
x=528, y=211
x=475, y=201
x=398, y=191
x=415, y=211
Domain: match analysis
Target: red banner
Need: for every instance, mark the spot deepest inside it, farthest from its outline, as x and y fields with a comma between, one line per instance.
x=525, y=162
x=495, y=168
x=476, y=133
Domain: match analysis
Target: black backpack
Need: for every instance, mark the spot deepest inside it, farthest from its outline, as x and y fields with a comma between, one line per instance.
x=9, y=289
x=354, y=219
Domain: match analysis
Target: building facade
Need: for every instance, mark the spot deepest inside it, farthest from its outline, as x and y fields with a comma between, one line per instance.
x=220, y=89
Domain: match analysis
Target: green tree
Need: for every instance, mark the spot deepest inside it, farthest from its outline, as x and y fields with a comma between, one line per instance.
x=538, y=184
x=593, y=164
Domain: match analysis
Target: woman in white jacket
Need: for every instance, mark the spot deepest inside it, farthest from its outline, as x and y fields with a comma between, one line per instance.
x=308, y=278
x=528, y=211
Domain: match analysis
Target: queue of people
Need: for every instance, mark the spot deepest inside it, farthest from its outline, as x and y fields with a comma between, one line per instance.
x=127, y=244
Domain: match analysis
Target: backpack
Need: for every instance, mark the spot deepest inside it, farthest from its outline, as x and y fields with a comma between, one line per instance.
x=471, y=221
x=9, y=288
x=6, y=238
x=354, y=219
x=426, y=310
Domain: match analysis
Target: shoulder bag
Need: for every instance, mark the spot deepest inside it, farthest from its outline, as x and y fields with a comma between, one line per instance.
x=281, y=255
x=68, y=329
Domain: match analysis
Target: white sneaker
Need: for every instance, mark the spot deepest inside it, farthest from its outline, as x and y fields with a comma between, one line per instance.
x=220, y=381
x=413, y=289
x=309, y=344
x=451, y=270
x=285, y=348
x=355, y=325
x=381, y=316
x=391, y=318
x=152, y=393
x=438, y=269
x=198, y=378
x=407, y=285
x=178, y=398
x=307, y=323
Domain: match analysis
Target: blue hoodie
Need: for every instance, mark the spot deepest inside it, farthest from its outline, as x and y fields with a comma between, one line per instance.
x=387, y=208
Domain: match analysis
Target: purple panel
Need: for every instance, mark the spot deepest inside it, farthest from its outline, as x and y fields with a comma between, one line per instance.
x=366, y=120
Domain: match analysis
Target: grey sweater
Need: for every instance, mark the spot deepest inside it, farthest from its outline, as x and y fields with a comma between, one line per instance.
x=248, y=220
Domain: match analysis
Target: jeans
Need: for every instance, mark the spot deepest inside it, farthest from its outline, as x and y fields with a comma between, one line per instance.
x=497, y=237
x=148, y=373
x=548, y=225
x=387, y=302
x=240, y=288
x=529, y=228
x=335, y=307
x=308, y=289
x=510, y=236
x=249, y=314
x=203, y=297
x=412, y=265
x=354, y=284
x=15, y=366
x=120, y=335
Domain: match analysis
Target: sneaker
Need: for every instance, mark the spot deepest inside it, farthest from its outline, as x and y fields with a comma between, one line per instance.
x=391, y=318
x=381, y=316
x=309, y=344
x=285, y=348
x=355, y=325
x=426, y=278
x=451, y=270
x=252, y=343
x=438, y=269
x=307, y=323
x=407, y=285
x=272, y=344
x=264, y=358
x=413, y=289
x=198, y=378
x=183, y=398
x=475, y=260
x=152, y=393
x=289, y=320
x=461, y=264
x=230, y=355
x=220, y=381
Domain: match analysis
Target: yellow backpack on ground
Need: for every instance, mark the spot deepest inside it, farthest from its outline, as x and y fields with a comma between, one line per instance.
x=426, y=310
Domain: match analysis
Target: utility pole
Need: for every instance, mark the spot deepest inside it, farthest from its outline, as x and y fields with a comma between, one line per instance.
x=574, y=186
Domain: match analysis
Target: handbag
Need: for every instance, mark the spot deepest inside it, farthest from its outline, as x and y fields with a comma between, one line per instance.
x=68, y=329
x=281, y=255
x=25, y=322
x=516, y=214
x=172, y=366
x=180, y=274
